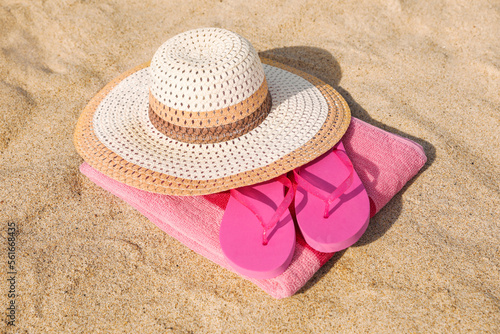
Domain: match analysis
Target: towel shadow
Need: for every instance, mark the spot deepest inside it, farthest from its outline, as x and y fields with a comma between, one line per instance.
x=322, y=64
x=322, y=272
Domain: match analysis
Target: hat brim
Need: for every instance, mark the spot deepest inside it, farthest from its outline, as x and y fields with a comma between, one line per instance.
x=127, y=149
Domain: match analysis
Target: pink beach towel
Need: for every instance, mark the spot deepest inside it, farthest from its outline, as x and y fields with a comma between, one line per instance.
x=383, y=161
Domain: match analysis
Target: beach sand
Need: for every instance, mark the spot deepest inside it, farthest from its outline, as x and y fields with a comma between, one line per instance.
x=87, y=262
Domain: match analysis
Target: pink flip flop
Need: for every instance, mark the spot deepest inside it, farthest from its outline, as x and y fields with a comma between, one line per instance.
x=331, y=203
x=257, y=234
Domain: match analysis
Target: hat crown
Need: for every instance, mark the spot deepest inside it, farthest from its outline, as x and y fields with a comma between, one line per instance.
x=207, y=86
x=204, y=70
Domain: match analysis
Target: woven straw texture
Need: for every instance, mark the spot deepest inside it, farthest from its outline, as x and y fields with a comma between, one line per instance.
x=192, y=70
x=214, y=134
x=162, y=172
x=239, y=110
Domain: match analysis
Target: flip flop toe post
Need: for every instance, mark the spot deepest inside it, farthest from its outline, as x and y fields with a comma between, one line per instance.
x=257, y=234
x=331, y=203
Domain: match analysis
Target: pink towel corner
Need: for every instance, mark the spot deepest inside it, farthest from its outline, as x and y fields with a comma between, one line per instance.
x=385, y=163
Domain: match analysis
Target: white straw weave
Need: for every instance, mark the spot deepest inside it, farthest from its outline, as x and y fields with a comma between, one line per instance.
x=122, y=124
x=192, y=70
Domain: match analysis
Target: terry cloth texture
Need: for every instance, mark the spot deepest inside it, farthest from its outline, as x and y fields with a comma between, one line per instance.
x=385, y=163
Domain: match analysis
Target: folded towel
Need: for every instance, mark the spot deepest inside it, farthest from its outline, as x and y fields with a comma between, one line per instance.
x=383, y=161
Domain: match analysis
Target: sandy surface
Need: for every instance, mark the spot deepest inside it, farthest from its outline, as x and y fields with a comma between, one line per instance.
x=87, y=262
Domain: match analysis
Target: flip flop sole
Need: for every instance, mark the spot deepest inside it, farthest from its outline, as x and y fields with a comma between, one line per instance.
x=241, y=233
x=349, y=214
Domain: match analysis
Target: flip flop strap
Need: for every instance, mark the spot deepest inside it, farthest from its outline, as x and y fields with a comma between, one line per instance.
x=328, y=198
x=277, y=214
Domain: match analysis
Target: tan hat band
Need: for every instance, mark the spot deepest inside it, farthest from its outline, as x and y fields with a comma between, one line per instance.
x=222, y=116
x=215, y=134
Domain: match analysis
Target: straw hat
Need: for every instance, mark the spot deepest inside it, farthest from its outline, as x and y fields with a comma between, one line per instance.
x=207, y=115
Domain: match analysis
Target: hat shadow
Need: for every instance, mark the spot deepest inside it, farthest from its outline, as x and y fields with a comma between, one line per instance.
x=323, y=65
